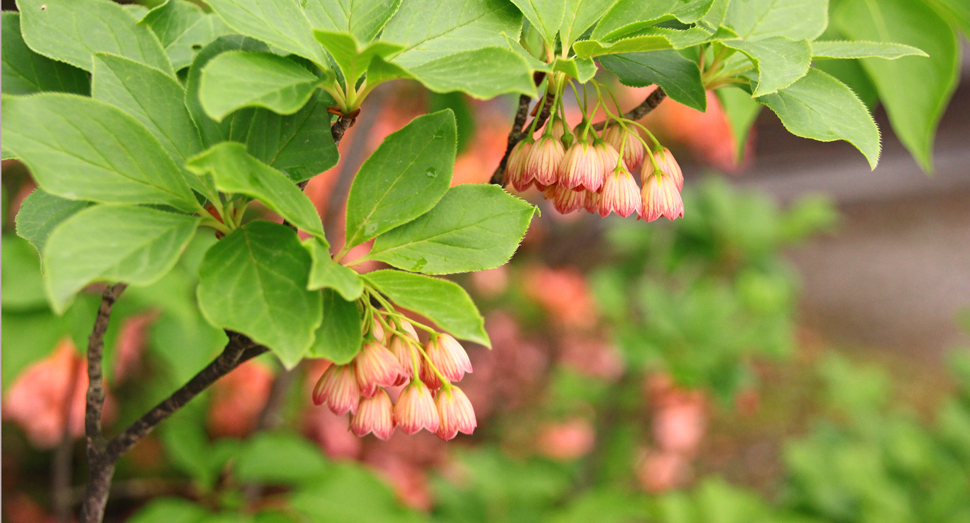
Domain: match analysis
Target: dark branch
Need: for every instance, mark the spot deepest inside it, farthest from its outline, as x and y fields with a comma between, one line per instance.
x=95, y=394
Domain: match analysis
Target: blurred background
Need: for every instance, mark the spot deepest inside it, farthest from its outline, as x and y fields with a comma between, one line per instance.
x=792, y=350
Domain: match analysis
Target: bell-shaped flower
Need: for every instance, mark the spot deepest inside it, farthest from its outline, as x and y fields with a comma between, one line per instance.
x=448, y=356
x=376, y=367
x=661, y=198
x=627, y=141
x=338, y=388
x=455, y=413
x=374, y=415
x=415, y=409
x=620, y=194
x=544, y=160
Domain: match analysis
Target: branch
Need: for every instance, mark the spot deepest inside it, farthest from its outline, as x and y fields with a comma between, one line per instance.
x=95, y=394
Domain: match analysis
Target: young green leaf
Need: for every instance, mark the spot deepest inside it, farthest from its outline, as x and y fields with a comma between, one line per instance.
x=362, y=18
x=136, y=245
x=183, y=29
x=254, y=281
x=325, y=273
x=822, y=108
x=353, y=60
x=156, y=100
x=544, y=15
x=431, y=29
x=679, y=77
x=741, y=111
x=794, y=19
x=627, y=16
x=778, y=60
x=235, y=171
x=404, y=178
x=26, y=72
x=280, y=23
x=170, y=510
x=482, y=73
x=41, y=212
x=237, y=79
x=73, y=31
x=473, y=228
x=441, y=301
x=914, y=90
x=582, y=69
x=579, y=16
x=339, y=337
x=84, y=149
x=636, y=44
x=850, y=50
x=278, y=458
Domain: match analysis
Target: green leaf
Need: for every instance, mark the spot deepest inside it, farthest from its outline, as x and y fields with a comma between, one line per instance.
x=26, y=72
x=136, y=245
x=183, y=29
x=350, y=493
x=280, y=23
x=156, y=100
x=636, y=44
x=534, y=63
x=235, y=171
x=22, y=285
x=473, y=228
x=278, y=458
x=848, y=50
x=41, y=212
x=26, y=338
x=741, y=111
x=778, y=60
x=325, y=273
x=339, y=337
x=627, y=16
x=914, y=90
x=582, y=69
x=544, y=15
x=254, y=281
x=237, y=79
x=579, y=16
x=432, y=29
x=404, y=178
x=353, y=60
x=482, y=73
x=169, y=510
x=362, y=18
x=957, y=12
x=794, y=19
x=679, y=77
x=84, y=149
x=441, y=301
x=822, y=108
x=73, y=31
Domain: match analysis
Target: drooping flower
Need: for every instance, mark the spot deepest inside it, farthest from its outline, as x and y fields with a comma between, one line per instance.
x=627, y=141
x=609, y=156
x=455, y=412
x=544, y=160
x=376, y=367
x=591, y=202
x=669, y=166
x=515, y=168
x=416, y=410
x=448, y=356
x=581, y=167
x=374, y=415
x=620, y=194
x=661, y=198
x=568, y=200
x=402, y=351
x=338, y=389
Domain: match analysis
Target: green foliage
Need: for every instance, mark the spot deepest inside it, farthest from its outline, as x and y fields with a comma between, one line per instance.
x=26, y=72
x=679, y=77
x=41, y=212
x=339, y=337
x=183, y=29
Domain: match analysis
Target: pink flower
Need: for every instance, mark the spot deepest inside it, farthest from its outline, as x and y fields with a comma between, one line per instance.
x=338, y=388
x=568, y=200
x=376, y=367
x=544, y=161
x=620, y=194
x=609, y=157
x=448, y=357
x=455, y=412
x=403, y=353
x=591, y=202
x=415, y=409
x=566, y=441
x=374, y=415
x=669, y=166
x=581, y=167
x=662, y=471
x=515, y=169
x=661, y=198
x=627, y=141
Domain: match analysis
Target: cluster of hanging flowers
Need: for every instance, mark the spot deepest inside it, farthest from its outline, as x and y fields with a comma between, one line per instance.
x=583, y=169
x=391, y=358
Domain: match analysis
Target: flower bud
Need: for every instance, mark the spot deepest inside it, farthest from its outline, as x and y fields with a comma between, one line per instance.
x=376, y=367
x=448, y=357
x=515, y=171
x=669, y=166
x=591, y=202
x=620, y=194
x=558, y=128
x=375, y=330
x=568, y=200
x=627, y=141
x=338, y=388
x=661, y=198
x=544, y=160
x=455, y=412
x=374, y=415
x=415, y=409
x=581, y=167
